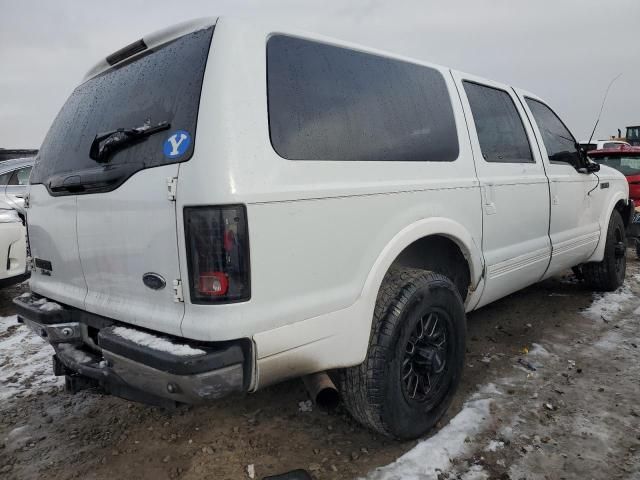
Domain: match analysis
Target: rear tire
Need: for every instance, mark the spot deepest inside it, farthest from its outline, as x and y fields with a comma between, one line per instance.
x=415, y=357
x=608, y=275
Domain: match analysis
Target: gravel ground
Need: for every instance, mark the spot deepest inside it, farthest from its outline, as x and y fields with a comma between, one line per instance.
x=550, y=391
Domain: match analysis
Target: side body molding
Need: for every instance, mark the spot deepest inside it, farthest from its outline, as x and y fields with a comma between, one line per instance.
x=430, y=226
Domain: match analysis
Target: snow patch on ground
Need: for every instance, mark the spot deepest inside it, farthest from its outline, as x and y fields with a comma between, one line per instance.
x=157, y=343
x=609, y=342
x=538, y=350
x=25, y=360
x=608, y=304
x=476, y=472
x=433, y=455
x=488, y=390
x=494, y=445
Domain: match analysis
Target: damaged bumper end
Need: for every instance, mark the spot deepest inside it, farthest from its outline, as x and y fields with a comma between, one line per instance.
x=133, y=363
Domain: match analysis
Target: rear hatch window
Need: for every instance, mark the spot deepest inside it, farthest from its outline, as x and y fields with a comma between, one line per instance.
x=159, y=88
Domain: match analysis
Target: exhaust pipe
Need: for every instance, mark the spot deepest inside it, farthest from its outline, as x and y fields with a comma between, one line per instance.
x=322, y=390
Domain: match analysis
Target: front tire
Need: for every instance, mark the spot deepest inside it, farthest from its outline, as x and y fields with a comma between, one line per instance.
x=608, y=275
x=415, y=357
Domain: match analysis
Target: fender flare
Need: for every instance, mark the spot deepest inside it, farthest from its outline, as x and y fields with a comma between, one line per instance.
x=423, y=228
x=605, y=217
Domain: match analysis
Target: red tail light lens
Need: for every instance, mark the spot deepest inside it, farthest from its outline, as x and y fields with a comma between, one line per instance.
x=213, y=283
x=218, y=253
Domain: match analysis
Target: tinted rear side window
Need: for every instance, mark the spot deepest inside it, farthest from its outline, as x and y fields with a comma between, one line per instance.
x=162, y=85
x=500, y=129
x=332, y=103
x=557, y=139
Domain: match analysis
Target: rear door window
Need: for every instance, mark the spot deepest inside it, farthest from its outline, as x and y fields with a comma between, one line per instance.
x=501, y=133
x=5, y=177
x=333, y=103
x=163, y=84
x=561, y=146
x=20, y=177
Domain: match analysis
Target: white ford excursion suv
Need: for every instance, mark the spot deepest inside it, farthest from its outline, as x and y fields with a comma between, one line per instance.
x=223, y=205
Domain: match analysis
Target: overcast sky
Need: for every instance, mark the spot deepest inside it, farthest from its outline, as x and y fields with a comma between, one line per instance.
x=566, y=51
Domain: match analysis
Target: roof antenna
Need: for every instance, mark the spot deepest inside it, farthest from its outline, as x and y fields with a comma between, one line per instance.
x=602, y=106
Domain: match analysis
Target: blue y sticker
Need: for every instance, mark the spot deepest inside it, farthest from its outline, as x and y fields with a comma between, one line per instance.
x=177, y=144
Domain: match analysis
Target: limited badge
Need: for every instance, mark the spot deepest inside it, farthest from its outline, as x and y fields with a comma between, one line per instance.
x=177, y=144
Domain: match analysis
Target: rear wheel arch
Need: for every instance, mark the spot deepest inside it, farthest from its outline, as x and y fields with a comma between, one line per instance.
x=440, y=254
x=449, y=235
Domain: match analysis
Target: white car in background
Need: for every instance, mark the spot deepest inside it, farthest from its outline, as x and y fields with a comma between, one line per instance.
x=14, y=178
x=13, y=246
x=587, y=146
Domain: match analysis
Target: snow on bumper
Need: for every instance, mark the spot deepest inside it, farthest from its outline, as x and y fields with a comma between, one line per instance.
x=134, y=363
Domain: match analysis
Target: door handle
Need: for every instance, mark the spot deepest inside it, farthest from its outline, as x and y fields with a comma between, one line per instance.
x=555, y=200
x=489, y=202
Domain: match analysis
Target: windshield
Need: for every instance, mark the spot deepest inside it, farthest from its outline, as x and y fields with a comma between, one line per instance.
x=626, y=165
x=161, y=85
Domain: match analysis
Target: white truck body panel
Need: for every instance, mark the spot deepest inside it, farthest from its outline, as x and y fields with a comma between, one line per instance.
x=122, y=235
x=322, y=234
x=53, y=236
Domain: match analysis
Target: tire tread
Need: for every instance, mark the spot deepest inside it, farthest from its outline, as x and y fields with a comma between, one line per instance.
x=360, y=385
x=602, y=275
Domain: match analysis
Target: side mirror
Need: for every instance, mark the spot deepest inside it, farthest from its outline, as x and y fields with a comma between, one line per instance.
x=590, y=167
x=593, y=167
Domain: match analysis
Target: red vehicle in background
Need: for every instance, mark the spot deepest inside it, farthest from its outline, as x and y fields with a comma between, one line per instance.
x=626, y=160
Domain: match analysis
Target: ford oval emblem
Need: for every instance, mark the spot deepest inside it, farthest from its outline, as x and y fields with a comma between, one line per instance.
x=154, y=281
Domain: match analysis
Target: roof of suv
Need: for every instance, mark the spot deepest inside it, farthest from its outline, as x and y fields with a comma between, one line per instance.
x=622, y=150
x=148, y=42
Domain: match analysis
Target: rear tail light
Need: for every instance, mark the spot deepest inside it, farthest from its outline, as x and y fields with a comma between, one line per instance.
x=218, y=253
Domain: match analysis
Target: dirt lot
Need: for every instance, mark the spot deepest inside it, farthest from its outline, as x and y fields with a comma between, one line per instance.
x=550, y=391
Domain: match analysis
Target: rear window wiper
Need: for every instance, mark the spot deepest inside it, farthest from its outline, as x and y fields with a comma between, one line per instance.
x=107, y=143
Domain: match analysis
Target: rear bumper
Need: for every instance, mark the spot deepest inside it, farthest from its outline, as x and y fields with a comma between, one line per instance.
x=136, y=364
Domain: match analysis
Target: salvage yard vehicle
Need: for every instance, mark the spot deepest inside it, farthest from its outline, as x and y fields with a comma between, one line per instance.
x=223, y=205
x=600, y=144
x=627, y=161
x=633, y=135
x=14, y=178
x=13, y=246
